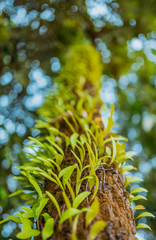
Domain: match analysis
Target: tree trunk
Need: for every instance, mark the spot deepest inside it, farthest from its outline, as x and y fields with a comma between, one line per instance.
x=114, y=209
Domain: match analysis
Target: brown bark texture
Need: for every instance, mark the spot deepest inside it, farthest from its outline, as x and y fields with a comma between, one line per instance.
x=114, y=209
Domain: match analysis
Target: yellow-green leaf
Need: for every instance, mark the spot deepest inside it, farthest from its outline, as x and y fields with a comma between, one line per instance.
x=96, y=228
x=68, y=214
x=48, y=229
x=139, y=189
x=54, y=202
x=79, y=199
x=145, y=214
x=139, y=207
x=143, y=225
x=92, y=213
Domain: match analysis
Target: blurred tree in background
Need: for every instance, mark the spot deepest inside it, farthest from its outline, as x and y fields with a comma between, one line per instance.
x=35, y=35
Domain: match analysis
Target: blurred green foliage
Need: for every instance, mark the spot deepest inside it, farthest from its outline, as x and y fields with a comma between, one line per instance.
x=35, y=40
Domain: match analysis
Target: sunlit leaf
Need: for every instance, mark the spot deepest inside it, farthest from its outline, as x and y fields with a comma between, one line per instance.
x=110, y=121
x=132, y=179
x=34, y=183
x=55, y=145
x=48, y=229
x=138, y=197
x=54, y=202
x=59, y=159
x=92, y=213
x=143, y=225
x=139, y=207
x=67, y=172
x=79, y=199
x=73, y=139
x=139, y=189
x=68, y=214
x=27, y=231
x=96, y=228
x=145, y=214
x=42, y=204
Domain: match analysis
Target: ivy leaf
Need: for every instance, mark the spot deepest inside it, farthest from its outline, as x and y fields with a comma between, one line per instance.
x=27, y=231
x=145, y=214
x=92, y=213
x=139, y=189
x=79, y=199
x=48, y=229
x=96, y=228
x=143, y=225
x=68, y=214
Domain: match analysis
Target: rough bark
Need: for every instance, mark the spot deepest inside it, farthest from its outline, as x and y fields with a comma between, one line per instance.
x=115, y=208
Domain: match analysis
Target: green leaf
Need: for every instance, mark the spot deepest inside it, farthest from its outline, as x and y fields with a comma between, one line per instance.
x=37, y=142
x=139, y=189
x=66, y=199
x=127, y=168
x=16, y=193
x=46, y=175
x=110, y=122
x=139, y=207
x=138, y=197
x=33, y=181
x=96, y=228
x=12, y=218
x=96, y=187
x=48, y=229
x=54, y=202
x=70, y=189
x=78, y=159
x=73, y=139
x=27, y=231
x=145, y=214
x=68, y=214
x=92, y=213
x=132, y=179
x=83, y=139
x=67, y=172
x=46, y=216
x=143, y=225
x=59, y=159
x=69, y=124
x=55, y=145
x=79, y=199
x=114, y=150
x=42, y=204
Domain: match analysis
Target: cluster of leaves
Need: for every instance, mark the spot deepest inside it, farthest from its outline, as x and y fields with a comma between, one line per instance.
x=47, y=163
